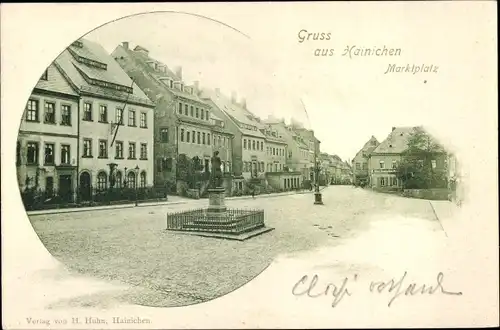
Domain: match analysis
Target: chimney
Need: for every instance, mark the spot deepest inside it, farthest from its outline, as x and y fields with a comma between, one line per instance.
x=233, y=97
x=393, y=128
x=178, y=72
x=125, y=45
x=244, y=103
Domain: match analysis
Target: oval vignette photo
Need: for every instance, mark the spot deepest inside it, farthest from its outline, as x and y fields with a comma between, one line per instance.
x=164, y=156
x=147, y=160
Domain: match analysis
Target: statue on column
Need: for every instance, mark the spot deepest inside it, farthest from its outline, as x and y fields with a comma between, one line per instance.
x=216, y=175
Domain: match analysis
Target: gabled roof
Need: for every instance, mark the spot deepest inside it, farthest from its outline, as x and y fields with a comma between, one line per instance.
x=396, y=142
x=74, y=71
x=160, y=76
x=236, y=112
x=55, y=82
x=368, y=147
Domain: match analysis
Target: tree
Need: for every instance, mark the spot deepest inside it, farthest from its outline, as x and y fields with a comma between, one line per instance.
x=415, y=169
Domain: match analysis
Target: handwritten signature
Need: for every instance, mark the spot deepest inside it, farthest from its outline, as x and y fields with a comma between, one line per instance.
x=310, y=288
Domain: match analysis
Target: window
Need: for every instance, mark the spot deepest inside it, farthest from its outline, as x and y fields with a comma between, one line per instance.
x=394, y=164
x=49, y=154
x=119, y=179
x=262, y=146
x=382, y=182
x=50, y=112
x=186, y=109
x=45, y=75
x=131, y=179
x=32, y=153
x=192, y=112
x=119, y=150
x=261, y=167
x=119, y=116
x=253, y=144
x=103, y=149
x=207, y=116
x=204, y=136
x=144, y=151
x=144, y=122
x=215, y=142
x=219, y=144
x=65, y=154
x=182, y=134
x=198, y=137
x=365, y=166
x=202, y=114
x=32, y=110
x=208, y=138
x=394, y=181
x=87, y=147
x=188, y=136
x=358, y=166
x=381, y=164
x=180, y=108
x=164, y=135
x=244, y=143
x=131, y=150
x=131, y=118
x=102, y=181
x=143, y=179
x=171, y=83
x=65, y=115
x=103, y=114
x=87, y=111
x=18, y=153
x=197, y=114
x=193, y=137
x=433, y=163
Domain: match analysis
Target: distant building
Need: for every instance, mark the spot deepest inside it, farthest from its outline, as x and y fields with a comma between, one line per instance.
x=360, y=162
x=182, y=122
x=115, y=120
x=47, y=146
x=384, y=160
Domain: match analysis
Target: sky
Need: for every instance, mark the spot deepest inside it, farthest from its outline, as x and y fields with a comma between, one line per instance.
x=347, y=99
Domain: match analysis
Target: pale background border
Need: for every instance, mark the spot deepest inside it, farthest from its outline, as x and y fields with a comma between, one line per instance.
x=34, y=34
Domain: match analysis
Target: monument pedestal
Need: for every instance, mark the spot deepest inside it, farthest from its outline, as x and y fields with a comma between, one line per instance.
x=216, y=200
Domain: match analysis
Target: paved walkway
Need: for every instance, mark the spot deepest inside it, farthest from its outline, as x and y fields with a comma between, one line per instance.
x=172, y=200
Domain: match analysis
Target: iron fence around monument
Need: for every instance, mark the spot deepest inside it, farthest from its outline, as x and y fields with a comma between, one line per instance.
x=230, y=221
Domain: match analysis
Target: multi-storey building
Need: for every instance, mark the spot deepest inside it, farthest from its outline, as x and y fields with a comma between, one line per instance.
x=313, y=146
x=115, y=120
x=360, y=162
x=384, y=159
x=182, y=123
x=223, y=143
x=47, y=146
x=249, y=152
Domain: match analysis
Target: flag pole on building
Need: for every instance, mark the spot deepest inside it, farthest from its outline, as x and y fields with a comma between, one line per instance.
x=116, y=126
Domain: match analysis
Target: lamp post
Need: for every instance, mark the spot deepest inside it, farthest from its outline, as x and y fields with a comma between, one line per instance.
x=317, y=194
x=136, y=181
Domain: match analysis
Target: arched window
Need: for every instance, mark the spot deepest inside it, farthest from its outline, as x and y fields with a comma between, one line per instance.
x=131, y=179
x=102, y=181
x=143, y=179
x=119, y=179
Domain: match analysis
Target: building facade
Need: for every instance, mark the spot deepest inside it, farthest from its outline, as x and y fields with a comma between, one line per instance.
x=182, y=123
x=360, y=162
x=47, y=146
x=115, y=121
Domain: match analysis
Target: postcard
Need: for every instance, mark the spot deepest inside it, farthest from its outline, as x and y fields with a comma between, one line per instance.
x=249, y=165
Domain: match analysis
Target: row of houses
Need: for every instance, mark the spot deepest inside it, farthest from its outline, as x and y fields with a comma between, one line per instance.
x=97, y=120
x=376, y=163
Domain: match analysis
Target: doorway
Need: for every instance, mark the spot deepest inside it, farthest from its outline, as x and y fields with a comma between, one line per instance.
x=65, y=187
x=85, y=186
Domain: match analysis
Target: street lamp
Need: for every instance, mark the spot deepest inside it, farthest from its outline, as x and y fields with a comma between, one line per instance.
x=136, y=181
x=317, y=194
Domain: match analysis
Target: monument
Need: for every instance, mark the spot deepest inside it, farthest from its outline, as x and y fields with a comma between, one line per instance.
x=216, y=220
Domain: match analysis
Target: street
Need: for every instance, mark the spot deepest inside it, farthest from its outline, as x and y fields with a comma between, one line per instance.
x=130, y=246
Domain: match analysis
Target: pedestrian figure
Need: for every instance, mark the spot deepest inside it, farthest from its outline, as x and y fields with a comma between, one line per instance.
x=253, y=192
